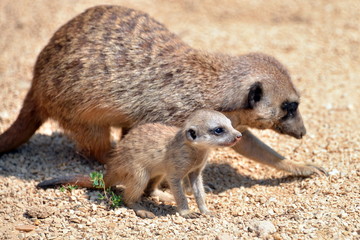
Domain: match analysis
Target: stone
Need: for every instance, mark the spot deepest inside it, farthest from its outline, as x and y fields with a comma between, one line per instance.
x=25, y=228
x=40, y=212
x=262, y=228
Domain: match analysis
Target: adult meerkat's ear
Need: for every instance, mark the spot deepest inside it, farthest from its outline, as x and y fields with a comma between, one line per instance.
x=255, y=94
x=191, y=134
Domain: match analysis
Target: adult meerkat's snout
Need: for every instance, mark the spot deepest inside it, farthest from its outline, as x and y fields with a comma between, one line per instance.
x=292, y=123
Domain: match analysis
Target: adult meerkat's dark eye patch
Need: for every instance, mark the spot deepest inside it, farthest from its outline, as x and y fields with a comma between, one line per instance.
x=290, y=108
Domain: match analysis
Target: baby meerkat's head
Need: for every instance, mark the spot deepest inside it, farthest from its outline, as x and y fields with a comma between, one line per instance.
x=208, y=128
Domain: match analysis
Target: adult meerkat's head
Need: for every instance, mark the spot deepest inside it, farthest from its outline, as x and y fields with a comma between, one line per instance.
x=269, y=98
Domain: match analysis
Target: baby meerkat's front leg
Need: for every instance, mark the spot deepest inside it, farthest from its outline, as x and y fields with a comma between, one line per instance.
x=180, y=198
x=197, y=185
x=186, y=185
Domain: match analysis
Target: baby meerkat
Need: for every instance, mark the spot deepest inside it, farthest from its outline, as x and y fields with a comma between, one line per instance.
x=112, y=66
x=152, y=152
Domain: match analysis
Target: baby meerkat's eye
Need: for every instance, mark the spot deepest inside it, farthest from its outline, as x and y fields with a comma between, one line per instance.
x=218, y=131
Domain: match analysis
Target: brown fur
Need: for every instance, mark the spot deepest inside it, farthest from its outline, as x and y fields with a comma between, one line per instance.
x=153, y=152
x=114, y=66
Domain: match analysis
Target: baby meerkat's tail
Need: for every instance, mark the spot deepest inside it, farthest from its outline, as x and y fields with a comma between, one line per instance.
x=75, y=180
x=28, y=121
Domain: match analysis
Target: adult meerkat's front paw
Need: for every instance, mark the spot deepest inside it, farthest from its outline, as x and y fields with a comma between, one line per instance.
x=304, y=170
x=310, y=169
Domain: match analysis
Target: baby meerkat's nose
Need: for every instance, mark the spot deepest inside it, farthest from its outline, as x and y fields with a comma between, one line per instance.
x=238, y=136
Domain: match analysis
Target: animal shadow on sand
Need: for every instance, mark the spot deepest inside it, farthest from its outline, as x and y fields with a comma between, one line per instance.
x=45, y=157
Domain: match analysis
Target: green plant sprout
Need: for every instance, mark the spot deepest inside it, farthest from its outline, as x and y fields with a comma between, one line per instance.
x=69, y=188
x=98, y=182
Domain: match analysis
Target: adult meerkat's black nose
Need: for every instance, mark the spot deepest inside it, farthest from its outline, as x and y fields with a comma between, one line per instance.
x=302, y=132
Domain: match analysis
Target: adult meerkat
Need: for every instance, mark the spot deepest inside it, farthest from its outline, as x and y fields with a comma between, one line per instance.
x=115, y=66
x=153, y=152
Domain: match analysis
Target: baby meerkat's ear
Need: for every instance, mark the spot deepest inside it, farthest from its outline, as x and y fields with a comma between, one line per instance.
x=191, y=134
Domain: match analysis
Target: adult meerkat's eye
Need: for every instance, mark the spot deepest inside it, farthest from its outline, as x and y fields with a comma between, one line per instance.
x=218, y=131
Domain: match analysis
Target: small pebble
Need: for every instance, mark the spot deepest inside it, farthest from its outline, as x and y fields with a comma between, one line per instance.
x=40, y=212
x=262, y=228
x=25, y=228
x=224, y=236
x=334, y=172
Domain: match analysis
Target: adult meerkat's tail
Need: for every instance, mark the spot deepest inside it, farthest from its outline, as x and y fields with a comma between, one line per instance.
x=28, y=121
x=75, y=180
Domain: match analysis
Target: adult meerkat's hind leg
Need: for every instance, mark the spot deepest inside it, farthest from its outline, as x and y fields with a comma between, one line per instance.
x=28, y=121
x=92, y=141
x=252, y=147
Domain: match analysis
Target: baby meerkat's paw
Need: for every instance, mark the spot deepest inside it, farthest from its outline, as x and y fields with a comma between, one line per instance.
x=140, y=211
x=207, y=212
x=163, y=196
x=189, y=214
x=144, y=213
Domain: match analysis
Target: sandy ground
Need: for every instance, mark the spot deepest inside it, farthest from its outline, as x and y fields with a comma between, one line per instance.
x=319, y=41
